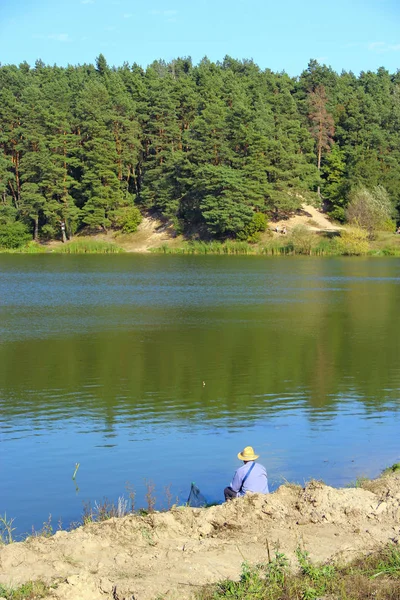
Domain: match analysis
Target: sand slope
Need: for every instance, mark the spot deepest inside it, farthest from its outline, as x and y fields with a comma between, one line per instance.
x=173, y=553
x=309, y=217
x=151, y=233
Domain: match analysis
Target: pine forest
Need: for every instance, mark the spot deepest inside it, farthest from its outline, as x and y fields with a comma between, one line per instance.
x=214, y=147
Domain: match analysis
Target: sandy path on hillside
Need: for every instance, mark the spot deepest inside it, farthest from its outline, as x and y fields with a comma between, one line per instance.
x=151, y=233
x=309, y=217
x=173, y=553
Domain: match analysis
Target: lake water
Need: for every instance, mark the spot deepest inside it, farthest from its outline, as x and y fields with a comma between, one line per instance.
x=103, y=359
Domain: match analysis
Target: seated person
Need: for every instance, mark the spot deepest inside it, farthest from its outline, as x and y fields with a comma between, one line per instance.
x=251, y=477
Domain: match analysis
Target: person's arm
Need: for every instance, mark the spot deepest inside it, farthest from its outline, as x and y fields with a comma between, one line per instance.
x=236, y=482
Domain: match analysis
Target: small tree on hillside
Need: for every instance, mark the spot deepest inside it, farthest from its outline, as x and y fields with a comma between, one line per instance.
x=371, y=209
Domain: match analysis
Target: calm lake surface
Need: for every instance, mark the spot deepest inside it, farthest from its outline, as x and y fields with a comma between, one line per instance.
x=103, y=359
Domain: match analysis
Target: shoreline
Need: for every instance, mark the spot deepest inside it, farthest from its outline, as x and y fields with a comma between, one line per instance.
x=350, y=243
x=181, y=550
x=307, y=232
x=203, y=249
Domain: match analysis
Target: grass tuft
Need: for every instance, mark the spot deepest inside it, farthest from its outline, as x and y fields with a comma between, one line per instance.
x=358, y=482
x=87, y=246
x=392, y=469
x=6, y=529
x=104, y=510
x=376, y=576
x=32, y=590
x=301, y=242
x=30, y=248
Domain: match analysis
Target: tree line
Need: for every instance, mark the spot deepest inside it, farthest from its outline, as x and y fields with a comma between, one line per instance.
x=213, y=146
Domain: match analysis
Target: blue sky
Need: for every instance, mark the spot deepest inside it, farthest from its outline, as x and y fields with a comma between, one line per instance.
x=353, y=35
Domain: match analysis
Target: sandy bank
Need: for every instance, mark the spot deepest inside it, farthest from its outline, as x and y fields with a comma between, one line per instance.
x=173, y=553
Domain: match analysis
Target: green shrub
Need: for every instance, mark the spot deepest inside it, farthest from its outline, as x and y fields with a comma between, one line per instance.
x=127, y=219
x=251, y=232
x=389, y=225
x=47, y=232
x=30, y=248
x=13, y=235
x=392, y=469
x=303, y=240
x=371, y=209
x=178, y=225
x=353, y=241
x=338, y=214
x=277, y=569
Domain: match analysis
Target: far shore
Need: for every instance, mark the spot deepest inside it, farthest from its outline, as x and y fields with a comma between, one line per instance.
x=308, y=244
x=308, y=232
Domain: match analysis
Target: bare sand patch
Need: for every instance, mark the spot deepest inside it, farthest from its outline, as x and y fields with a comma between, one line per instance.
x=310, y=217
x=151, y=233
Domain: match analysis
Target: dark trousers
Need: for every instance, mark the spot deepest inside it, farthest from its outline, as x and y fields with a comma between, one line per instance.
x=229, y=494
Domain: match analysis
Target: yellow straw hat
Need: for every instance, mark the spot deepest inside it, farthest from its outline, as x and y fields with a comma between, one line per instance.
x=247, y=454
